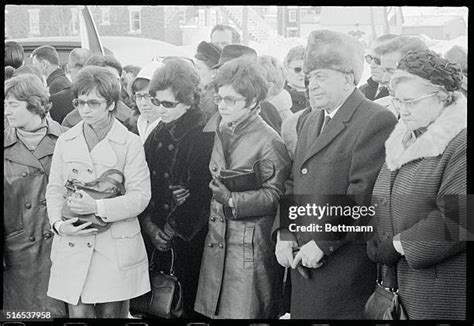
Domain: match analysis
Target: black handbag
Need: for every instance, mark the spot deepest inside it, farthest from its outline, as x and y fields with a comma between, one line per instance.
x=384, y=303
x=238, y=180
x=166, y=298
x=103, y=187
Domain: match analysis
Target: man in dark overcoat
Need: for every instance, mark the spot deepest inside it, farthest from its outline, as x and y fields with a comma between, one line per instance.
x=340, y=150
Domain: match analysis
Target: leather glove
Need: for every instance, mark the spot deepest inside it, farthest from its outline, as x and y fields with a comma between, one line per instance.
x=386, y=253
x=220, y=192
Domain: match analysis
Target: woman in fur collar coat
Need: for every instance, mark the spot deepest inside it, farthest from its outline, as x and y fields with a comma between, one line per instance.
x=420, y=191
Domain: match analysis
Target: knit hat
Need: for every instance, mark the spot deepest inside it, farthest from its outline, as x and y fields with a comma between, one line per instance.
x=208, y=52
x=296, y=53
x=336, y=51
x=145, y=73
x=233, y=51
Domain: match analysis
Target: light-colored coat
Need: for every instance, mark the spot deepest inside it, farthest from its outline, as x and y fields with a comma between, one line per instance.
x=113, y=265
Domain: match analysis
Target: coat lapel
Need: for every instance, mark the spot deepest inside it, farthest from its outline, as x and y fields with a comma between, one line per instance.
x=74, y=138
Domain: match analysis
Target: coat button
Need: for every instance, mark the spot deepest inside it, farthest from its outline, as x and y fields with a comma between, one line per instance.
x=75, y=171
x=89, y=170
x=32, y=239
x=222, y=219
x=210, y=245
x=166, y=175
x=166, y=207
x=170, y=147
x=153, y=172
x=221, y=245
x=304, y=171
x=43, y=202
x=71, y=244
x=160, y=145
x=213, y=219
x=28, y=205
x=89, y=245
x=41, y=172
x=47, y=235
x=214, y=169
x=383, y=202
x=331, y=249
x=24, y=174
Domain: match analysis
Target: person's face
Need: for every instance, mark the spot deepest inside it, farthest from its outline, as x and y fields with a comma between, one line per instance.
x=231, y=106
x=96, y=110
x=295, y=73
x=127, y=77
x=221, y=38
x=40, y=64
x=206, y=73
x=326, y=88
x=73, y=70
x=418, y=105
x=170, y=114
x=388, y=64
x=149, y=111
x=18, y=115
x=375, y=68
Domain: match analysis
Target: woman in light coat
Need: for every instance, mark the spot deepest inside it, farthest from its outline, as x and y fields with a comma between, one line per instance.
x=420, y=191
x=97, y=273
x=29, y=142
x=239, y=272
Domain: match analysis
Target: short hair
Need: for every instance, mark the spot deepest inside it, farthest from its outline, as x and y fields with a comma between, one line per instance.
x=14, y=54
x=9, y=70
x=180, y=76
x=235, y=34
x=104, y=61
x=99, y=78
x=29, y=88
x=385, y=38
x=401, y=44
x=273, y=73
x=28, y=69
x=246, y=76
x=79, y=57
x=133, y=69
x=48, y=53
x=139, y=84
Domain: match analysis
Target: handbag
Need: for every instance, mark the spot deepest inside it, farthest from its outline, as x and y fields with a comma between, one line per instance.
x=384, y=303
x=238, y=180
x=166, y=298
x=102, y=188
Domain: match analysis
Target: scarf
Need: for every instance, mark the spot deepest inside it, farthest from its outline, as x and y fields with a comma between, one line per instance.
x=95, y=134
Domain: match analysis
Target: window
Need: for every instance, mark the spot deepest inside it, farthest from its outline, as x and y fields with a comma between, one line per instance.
x=292, y=16
x=182, y=17
x=33, y=15
x=135, y=21
x=75, y=21
x=105, y=15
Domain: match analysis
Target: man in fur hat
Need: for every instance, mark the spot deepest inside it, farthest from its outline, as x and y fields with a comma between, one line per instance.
x=340, y=150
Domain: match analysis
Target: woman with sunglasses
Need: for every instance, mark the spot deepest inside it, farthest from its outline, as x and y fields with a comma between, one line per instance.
x=178, y=153
x=293, y=68
x=96, y=273
x=420, y=191
x=238, y=276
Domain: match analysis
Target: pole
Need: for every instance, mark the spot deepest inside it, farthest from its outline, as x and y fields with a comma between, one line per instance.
x=245, y=25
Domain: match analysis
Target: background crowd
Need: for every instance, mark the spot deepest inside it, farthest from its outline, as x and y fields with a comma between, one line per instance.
x=175, y=127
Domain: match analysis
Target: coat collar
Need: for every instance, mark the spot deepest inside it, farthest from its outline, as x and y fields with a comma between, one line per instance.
x=431, y=143
x=11, y=138
x=118, y=133
x=214, y=122
x=179, y=128
x=56, y=73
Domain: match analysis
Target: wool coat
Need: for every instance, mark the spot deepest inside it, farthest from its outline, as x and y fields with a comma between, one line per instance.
x=239, y=271
x=178, y=153
x=112, y=265
x=27, y=232
x=57, y=81
x=343, y=160
x=370, y=90
x=414, y=195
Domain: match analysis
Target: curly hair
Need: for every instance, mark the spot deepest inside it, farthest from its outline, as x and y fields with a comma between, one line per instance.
x=30, y=89
x=429, y=65
x=180, y=76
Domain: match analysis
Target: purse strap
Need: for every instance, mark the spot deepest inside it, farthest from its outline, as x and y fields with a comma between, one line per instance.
x=173, y=259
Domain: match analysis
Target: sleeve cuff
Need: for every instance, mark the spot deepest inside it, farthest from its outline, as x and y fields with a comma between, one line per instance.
x=397, y=244
x=101, y=209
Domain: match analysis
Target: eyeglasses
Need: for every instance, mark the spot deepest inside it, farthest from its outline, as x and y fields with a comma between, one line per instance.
x=93, y=104
x=139, y=97
x=166, y=104
x=409, y=104
x=369, y=59
x=228, y=100
x=297, y=70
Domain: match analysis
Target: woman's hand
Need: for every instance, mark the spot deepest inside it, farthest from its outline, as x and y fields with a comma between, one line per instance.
x=180, y=194
x=220, y=192
x=66, y=228
x=82, y=203
x=161, y=240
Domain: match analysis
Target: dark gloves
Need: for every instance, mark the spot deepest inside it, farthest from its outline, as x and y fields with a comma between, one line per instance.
x=220, y=192
x=382, y=250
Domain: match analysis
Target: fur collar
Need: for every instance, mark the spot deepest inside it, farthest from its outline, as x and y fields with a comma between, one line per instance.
x=431, y=143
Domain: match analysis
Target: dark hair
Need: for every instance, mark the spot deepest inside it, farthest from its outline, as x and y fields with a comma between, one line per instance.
x=385, y=38
x=99, y=78
x=104, y=61
x=133, y=69
x=14, y=54
x=28, y=69
x=235, y=34
x=29, y=88
x=138, y=84
x=430, y=65
x=9, y=70
x=401, y=44
x=180, y=76
x=48, y=53
x=246, y=76
x=79, y=57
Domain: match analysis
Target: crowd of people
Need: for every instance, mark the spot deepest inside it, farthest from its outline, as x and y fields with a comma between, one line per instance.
x=175, y=128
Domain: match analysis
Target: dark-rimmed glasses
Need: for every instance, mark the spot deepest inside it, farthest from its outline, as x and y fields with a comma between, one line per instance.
x=409, y=104
x=166, y=104
x=369, y=58
x=93, y=104
x=228, y=100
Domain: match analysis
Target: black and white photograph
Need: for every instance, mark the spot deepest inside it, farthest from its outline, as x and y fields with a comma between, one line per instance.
x=192, y=163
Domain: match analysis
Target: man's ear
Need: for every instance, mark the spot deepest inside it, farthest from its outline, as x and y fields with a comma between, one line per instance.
x=350, y=80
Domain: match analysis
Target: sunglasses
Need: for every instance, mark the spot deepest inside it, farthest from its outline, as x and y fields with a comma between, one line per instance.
x=297, y=70
x=229, y=101
x=165, y=104
x=93, y=104
x=369, y=59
